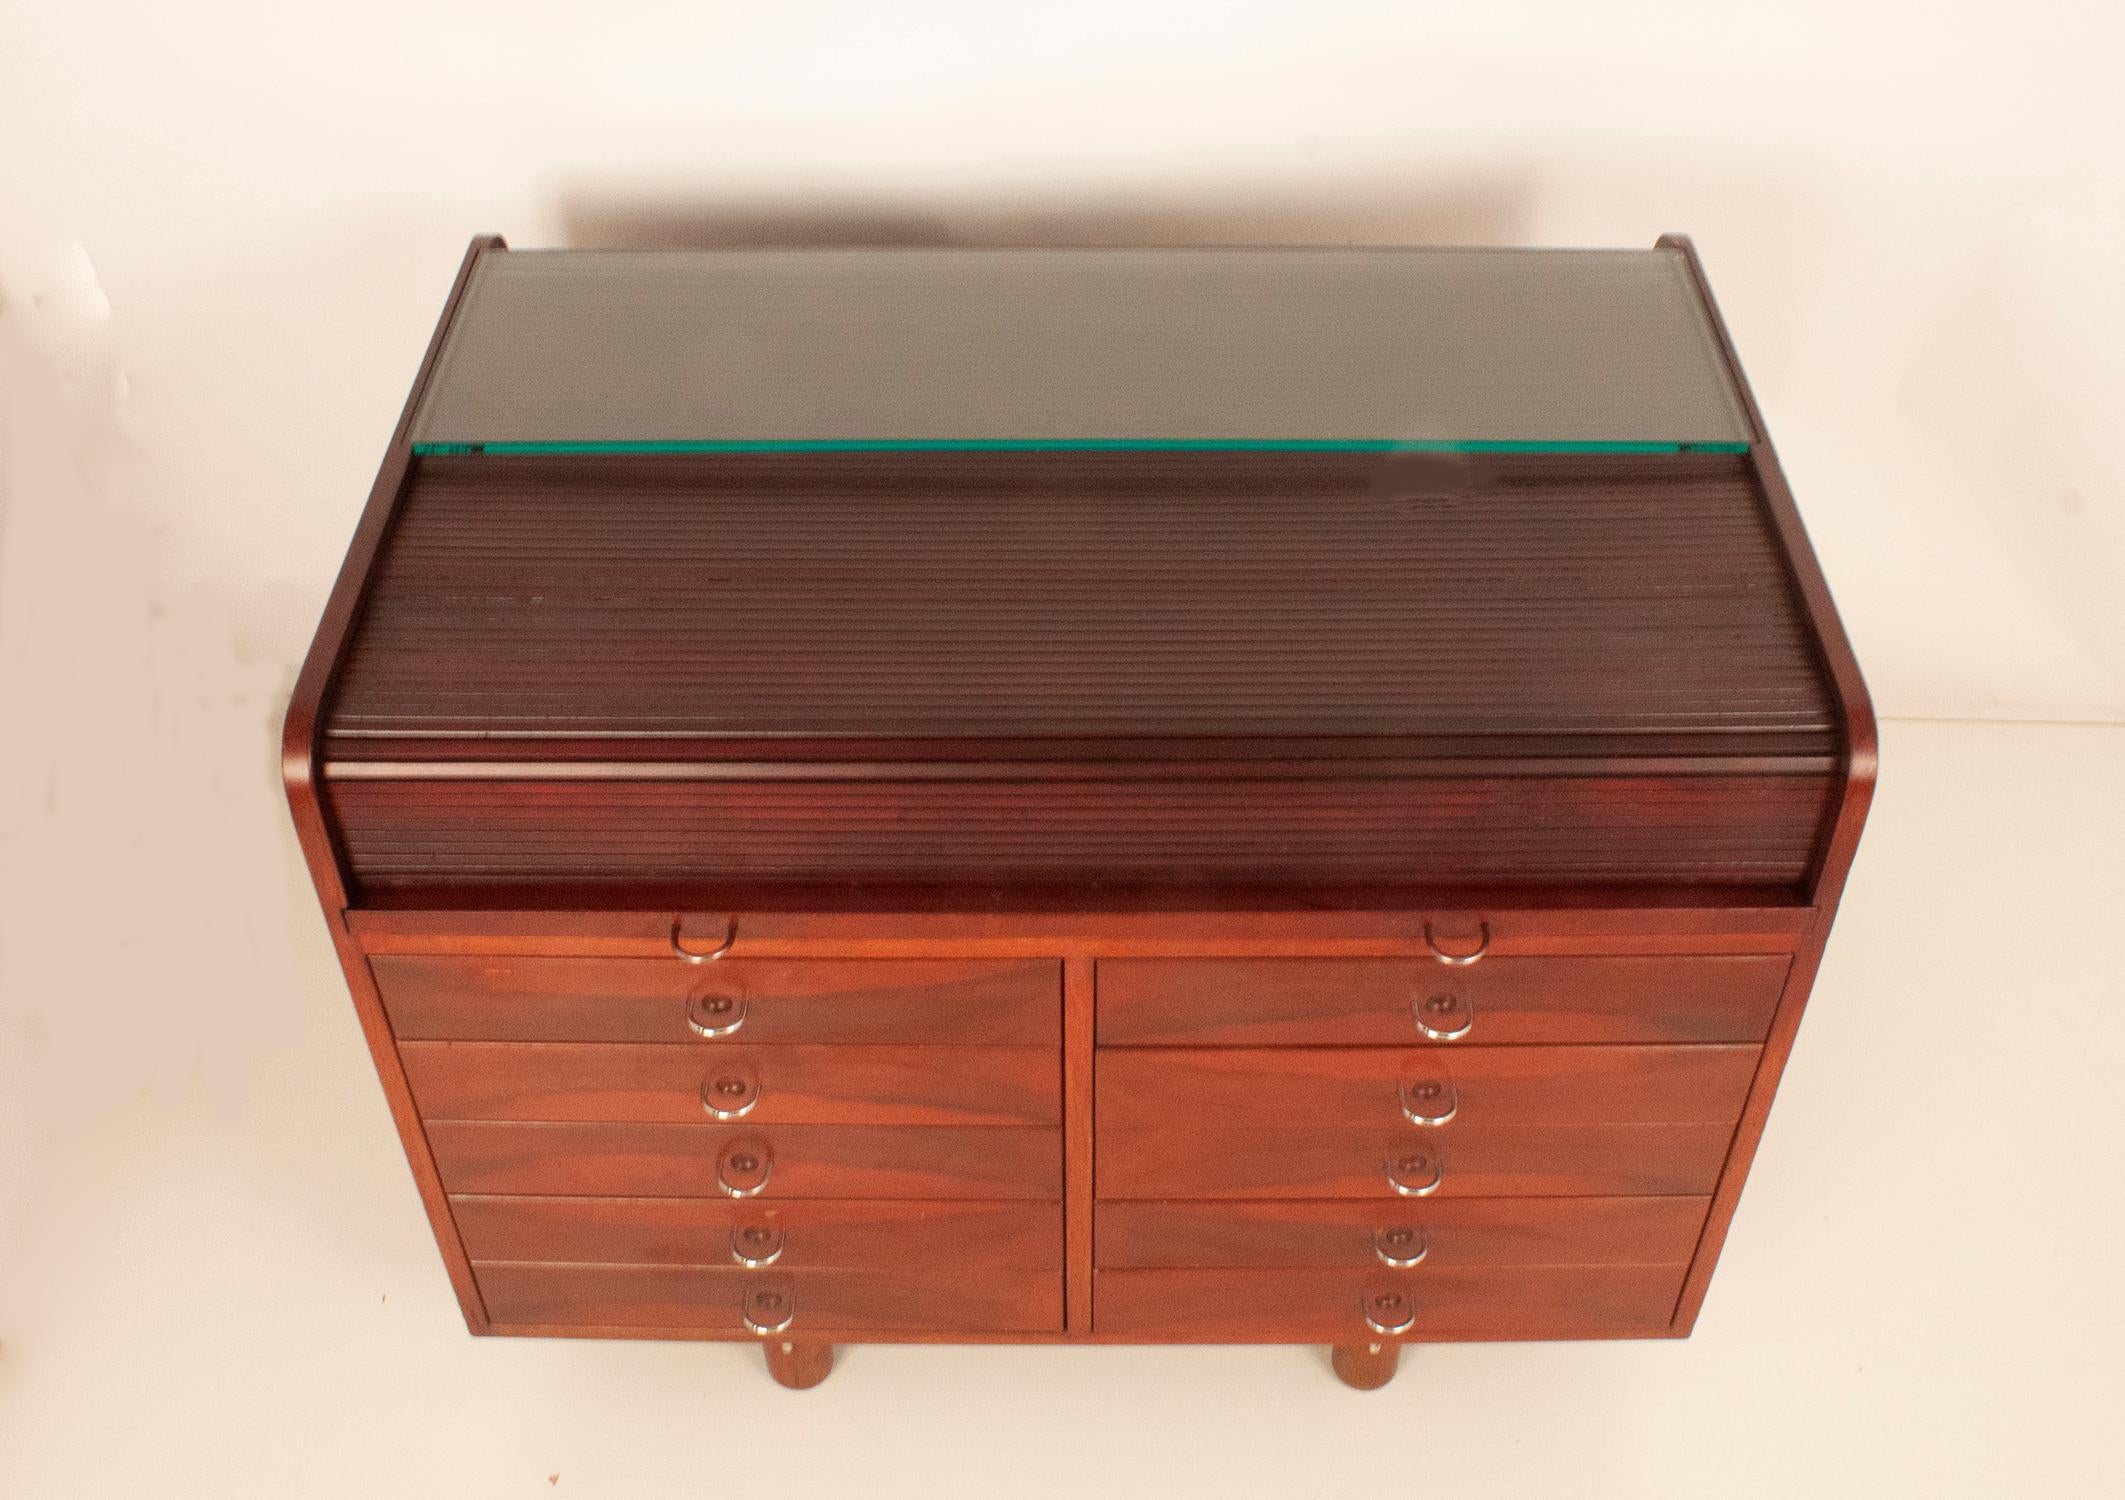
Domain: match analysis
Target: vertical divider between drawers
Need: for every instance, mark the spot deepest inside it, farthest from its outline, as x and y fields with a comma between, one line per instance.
x=1078, y=1167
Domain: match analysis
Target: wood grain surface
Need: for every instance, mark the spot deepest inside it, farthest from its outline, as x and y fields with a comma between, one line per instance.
x=833, y=1304
x=801, y=1161
x=1297, y=1161
x=787, y=1085
x=1441, y=1231
x=1369, y=1002
x=875, y=1234
x=1240, y=1088
x=437, y=998
x=1329, y=1306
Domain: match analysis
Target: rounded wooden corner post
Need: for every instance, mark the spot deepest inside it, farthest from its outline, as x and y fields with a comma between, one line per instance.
x=1365, y=1367
x=799, y=1364
x=306, y=802
x=1841, y=842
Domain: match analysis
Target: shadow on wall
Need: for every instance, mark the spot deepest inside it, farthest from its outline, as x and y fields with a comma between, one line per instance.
x=1491, y=211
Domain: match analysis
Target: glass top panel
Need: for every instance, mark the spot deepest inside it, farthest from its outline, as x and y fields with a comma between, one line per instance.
x=1360, y=349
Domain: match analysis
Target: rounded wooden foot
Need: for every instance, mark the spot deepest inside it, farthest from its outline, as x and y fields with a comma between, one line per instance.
x=800, y=1366
x=1365, y=1367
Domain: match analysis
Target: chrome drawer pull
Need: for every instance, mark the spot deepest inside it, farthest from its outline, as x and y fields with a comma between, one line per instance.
x=768, y=1309
x=1445, y=1016
x=1458, y=960
x=748, y=1160
x=730, y=935
x=1416, y=1174
x=730, y=1092
x=1400, y=1246
x=714, y=1015
x=1390, y=1310
x=756, y=1245
x=1430, y=1101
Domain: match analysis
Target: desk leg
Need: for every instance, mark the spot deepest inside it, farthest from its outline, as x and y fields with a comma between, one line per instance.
x=1365, y=1367
x=800, y=1366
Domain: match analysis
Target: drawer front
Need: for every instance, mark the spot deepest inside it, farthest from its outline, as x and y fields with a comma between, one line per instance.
x=1500, y=1161
x=743, y=1161
x=1334, y=1306
x=795, y=1235
x=1396, y=1002
x=1427, y=1235
x=742, y=1303
x=1453, y=1088
x=1014, y=1003
x=679, y=1084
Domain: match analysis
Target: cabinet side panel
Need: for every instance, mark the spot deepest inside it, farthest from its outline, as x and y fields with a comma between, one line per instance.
x=1834, y=857
x=320, y=848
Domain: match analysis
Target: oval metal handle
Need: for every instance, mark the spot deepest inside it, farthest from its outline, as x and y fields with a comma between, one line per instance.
x=768, y=1309
x=744, y=1158
x=730, y=1092
x=1389, y=1310
x=756, y=1245
x=1435, y=1015
x=686, y=954
x=1400, y=1245
x=1430, y=1101
x=1458, y=960
x=714, y=1015
x=1417, y=1174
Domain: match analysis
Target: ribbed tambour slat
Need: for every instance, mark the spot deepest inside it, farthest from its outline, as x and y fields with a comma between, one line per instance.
x=1616, y=636
x=1287, y=596
x=1722, y=829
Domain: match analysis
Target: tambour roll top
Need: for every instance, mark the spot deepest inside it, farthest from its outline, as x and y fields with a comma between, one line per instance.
x=1145, y=569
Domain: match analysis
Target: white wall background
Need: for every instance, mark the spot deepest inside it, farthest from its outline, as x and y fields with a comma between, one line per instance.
x=226, y=230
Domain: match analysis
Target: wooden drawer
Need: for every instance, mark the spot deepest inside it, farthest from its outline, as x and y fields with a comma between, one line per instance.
x=683, y=1084
x=810, y=1304
x=795, y=1235
x=1332, y=1306
x=1380, y=1001
x=1450, y=1088
x=1435, y=1234
x=510, y=998
x=1488, y=1161
x=779, y=1161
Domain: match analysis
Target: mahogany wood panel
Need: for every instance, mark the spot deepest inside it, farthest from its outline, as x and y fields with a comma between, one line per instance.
x=1332, y=923
x=1067, y=1337
x=798, y=1085
x=819, y=1304
x=1440, y=1232
x=1370, y=1002
x=1840, y=842
x=508, y=998
x=1089, y=1337
x=1330, y=1306
x=301, y=775
x=1469, y=1086
x=1295, y=1161
x=797, y=1161
x=801, y=1234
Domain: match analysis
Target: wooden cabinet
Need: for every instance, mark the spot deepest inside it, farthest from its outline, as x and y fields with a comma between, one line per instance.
x=1102, y=836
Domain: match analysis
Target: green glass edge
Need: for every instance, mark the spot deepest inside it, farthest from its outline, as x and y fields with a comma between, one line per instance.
x=1040, y=445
